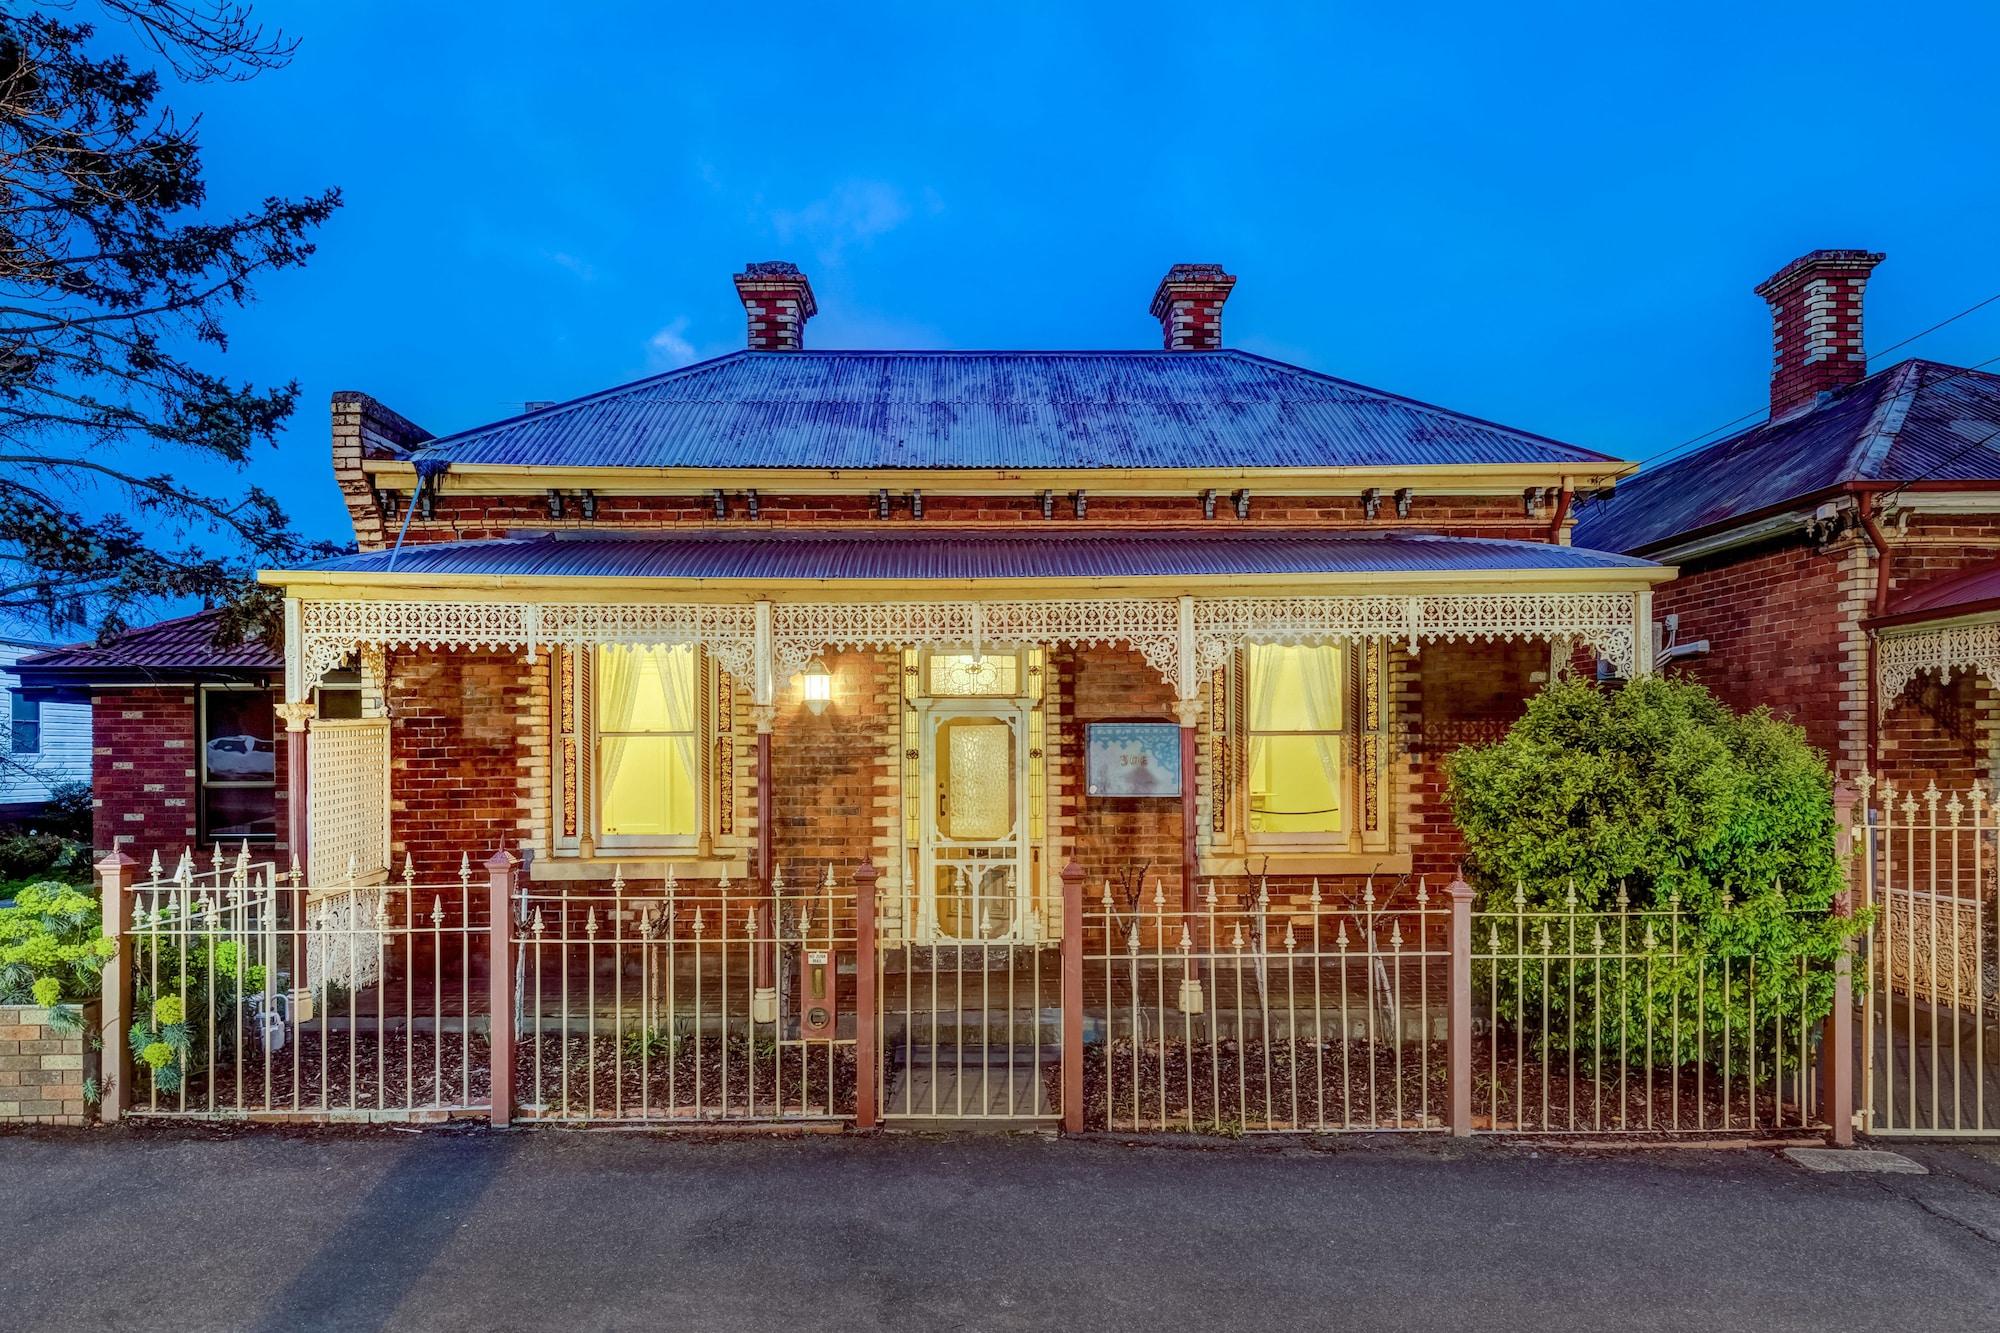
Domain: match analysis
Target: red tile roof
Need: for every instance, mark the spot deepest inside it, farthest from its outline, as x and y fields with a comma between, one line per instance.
x=185, y=644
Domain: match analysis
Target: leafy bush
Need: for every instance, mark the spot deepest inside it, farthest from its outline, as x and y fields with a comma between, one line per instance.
x=67, y=814
x=52, y=946
x=31, y=855
x=1660, y=796
x=179, y=981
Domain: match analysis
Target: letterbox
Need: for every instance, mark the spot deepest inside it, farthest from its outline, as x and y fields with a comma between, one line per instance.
x=818, y=989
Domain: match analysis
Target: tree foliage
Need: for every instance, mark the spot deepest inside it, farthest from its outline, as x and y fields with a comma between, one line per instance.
x=116, y=279
x=1697, y=843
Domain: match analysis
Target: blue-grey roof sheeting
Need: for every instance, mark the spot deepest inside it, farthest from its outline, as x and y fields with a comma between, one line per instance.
x=1916, y=421
x=960, y=553
x=981, y=410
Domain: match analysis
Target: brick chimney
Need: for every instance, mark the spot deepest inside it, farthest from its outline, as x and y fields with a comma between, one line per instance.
x=1816, y=325
x=778, y=300
x=1188, y=305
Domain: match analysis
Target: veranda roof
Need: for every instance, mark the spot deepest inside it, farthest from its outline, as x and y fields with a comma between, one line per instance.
x=1970, y=593
x=942, y=553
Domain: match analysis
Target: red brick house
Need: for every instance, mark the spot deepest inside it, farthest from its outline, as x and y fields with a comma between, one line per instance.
x=963, y=629
x=1837, y=561
x=186, y=753
x=1076, y=538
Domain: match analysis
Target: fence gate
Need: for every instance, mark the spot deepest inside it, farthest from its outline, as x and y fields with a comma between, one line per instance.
x=968, y=1023
x=1930, y=1026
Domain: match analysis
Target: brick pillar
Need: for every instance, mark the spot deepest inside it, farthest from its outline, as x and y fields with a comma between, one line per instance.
x=114, y=877
x=1072, y=999
x=1458, y=1029
x=1836, y=1046
x=866, y=1066
x=500, y=872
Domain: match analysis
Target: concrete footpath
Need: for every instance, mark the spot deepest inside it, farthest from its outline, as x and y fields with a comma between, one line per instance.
x=272, y=1230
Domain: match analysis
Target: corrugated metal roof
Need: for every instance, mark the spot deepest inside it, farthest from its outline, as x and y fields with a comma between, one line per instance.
x=183, y=644
x=961, y=553
x=1916, y=421
x=860, y=410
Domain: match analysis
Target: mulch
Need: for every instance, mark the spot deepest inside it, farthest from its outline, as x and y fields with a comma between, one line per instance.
x=1228, y=1087
x=361, y=1072
x=710, y=1079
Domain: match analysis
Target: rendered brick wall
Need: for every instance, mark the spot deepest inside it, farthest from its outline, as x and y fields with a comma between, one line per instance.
x=1785, y=627
x=829, y=784
x=42, y=1068
x=143, y=777
x=1466, y=694
x=468, y=747
x=1783, y=624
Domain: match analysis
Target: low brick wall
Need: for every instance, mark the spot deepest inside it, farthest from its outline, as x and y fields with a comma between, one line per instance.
x=42, y=1069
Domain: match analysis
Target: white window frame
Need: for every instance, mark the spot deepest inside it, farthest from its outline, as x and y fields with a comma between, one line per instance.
x=1339, y=840
x=590, y=762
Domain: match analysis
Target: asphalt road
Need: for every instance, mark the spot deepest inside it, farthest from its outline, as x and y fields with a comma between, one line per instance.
x=577, y=1231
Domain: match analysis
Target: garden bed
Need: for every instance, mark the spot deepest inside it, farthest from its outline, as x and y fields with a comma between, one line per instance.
x=1303, y=1086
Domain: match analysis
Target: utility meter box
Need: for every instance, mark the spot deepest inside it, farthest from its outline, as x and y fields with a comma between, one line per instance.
x=818, y=989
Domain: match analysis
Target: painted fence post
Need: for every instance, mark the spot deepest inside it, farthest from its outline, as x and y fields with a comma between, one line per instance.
x=1836, y=1047
x=114, y=878
x=1072, y=998
x=866, y=1067
x=1458, y=1011
x=500, y=868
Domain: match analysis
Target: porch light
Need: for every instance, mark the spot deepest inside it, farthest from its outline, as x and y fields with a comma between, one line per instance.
x=819, y=686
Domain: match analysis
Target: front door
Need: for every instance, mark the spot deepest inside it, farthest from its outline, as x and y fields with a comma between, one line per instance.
x=973, y=875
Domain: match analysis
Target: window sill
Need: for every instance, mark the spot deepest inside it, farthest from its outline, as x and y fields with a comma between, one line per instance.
x=1307, y=863
x=638, y=866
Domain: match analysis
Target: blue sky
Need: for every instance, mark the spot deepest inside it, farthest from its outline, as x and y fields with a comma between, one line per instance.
x=1553, y=219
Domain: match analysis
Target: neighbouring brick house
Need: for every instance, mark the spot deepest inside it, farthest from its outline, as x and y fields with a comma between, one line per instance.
x=1838, y=561
x=186, y=754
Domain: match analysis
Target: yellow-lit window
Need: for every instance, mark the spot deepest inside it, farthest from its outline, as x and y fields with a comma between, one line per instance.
x=648, y=769
x=1296, y=714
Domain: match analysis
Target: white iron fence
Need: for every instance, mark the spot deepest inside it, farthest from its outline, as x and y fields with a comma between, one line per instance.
x=1930, y=1051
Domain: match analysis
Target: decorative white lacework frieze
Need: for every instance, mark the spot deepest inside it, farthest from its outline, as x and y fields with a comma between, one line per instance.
x=330, y=631
x=1946, y=650
x=333, y=630
x=799, y=631
x=344, y=933
x=1605, y=621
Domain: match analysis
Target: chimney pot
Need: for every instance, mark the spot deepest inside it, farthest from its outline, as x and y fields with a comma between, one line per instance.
x=1188, y=305
x=777, y=301
x=1816, y=345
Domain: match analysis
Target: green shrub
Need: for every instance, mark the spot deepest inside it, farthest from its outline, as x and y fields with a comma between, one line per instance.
x=1659, y=796
x=52, y=951
x=30, y=855
x=52, y=946
x=67, y=813
x=185, y=1015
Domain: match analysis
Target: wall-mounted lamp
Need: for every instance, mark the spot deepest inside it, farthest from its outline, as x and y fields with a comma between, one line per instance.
x=819, y=686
